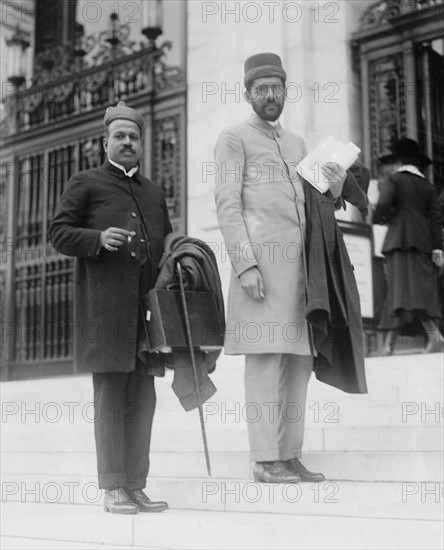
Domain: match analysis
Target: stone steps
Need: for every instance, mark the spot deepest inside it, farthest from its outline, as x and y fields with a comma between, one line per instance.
x=393, y=373
x=353, y=466
x=348, y=439
x=195, y=529
x=22, y=543
x=369, y=437
x=381, y=453
x=395, y=500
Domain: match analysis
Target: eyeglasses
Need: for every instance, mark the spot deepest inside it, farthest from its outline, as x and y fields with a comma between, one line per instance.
x=262, y=90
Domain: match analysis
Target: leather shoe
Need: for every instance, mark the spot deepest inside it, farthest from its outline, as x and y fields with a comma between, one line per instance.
x=273, y=472
x=145, y=504
x=117, y=501
x=295, y=466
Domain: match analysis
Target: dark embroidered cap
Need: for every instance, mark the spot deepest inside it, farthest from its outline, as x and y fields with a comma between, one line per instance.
x=121, y=111
x=263, y=65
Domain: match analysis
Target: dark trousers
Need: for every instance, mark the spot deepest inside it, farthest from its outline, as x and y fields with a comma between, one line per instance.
x=125, y=403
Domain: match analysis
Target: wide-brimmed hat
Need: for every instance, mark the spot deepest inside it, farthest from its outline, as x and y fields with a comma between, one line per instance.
x=405, y=147
x=263, y=65
x=122, y=111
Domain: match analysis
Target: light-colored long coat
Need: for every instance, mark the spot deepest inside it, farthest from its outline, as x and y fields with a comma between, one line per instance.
x=260, y=209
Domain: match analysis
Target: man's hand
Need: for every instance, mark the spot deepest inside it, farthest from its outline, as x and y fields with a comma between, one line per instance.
x=335, y=175
x=251, y=282
x=113, y=237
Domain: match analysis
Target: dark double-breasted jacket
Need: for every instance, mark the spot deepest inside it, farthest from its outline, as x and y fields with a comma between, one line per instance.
x=107, y=284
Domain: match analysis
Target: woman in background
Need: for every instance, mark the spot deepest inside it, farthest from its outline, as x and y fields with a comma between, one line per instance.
x=413, y=247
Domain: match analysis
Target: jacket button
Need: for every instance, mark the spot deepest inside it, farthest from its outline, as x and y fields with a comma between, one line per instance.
x=133, y=254
x=133, y=214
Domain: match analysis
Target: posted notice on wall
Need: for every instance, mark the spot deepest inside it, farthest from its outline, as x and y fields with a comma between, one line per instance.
x=359, y=249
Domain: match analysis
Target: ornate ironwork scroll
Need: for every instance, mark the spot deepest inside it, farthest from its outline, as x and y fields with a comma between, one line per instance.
x=167, y=160
x=382, y=12
x=91, y=153
x=5, y=245
x=85, y=91
x=4, y=197
x=387, y=103
x=59, y=60
x=166, y=77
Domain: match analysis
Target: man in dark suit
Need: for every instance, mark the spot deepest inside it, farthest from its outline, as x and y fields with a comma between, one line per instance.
x=114, y=221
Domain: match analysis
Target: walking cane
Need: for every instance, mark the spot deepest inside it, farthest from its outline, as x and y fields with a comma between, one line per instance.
x=193, y=364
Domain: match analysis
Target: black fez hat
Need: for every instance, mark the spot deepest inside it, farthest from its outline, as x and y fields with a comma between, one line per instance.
x=405, y=148
x=262, y=65
x=121, y=111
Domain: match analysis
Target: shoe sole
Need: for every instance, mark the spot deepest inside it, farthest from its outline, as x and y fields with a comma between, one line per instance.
x=123, y=513
x=313, y=480
x=153, y=511
x=259, y=479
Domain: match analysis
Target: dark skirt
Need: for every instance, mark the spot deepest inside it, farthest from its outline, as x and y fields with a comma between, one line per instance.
x=412, y=291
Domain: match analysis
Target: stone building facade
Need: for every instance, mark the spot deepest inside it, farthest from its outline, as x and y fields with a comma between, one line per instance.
x=364, y=71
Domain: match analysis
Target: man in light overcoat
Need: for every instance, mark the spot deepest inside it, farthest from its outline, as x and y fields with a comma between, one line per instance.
x=261, y=209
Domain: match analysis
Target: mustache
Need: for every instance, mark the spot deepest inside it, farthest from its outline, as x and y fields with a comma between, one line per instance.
x=124, y=149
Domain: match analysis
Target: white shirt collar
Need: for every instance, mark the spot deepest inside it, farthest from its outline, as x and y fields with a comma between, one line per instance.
x=130, y=172
x=410, y=168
